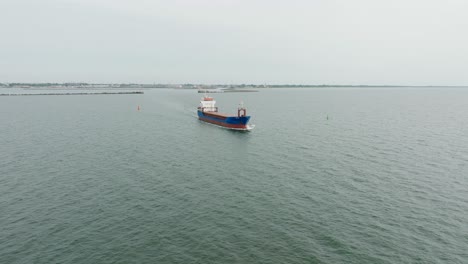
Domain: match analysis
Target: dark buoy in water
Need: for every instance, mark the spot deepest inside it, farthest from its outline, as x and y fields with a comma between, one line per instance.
x=138, y=108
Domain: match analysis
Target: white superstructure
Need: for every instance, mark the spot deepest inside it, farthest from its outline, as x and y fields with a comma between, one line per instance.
x=207, y=104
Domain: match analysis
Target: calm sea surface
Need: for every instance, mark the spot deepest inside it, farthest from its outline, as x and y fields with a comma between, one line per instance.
x=336, y=175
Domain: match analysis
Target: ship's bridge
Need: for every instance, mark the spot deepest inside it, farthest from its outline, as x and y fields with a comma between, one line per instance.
x=207, y=104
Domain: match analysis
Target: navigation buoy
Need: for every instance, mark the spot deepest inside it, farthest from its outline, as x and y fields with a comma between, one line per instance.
x=138, y=108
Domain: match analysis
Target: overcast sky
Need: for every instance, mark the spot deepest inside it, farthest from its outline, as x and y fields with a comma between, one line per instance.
x=402, y=42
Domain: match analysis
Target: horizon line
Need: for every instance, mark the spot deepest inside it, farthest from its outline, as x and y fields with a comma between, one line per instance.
x=225, y=84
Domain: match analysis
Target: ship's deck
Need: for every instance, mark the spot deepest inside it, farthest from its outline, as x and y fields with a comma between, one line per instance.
x=216, y=114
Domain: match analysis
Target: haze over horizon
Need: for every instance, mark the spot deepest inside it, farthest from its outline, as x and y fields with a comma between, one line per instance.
x=358, y=42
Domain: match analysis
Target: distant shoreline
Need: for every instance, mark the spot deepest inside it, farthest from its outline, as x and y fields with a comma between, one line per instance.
x=67, y=86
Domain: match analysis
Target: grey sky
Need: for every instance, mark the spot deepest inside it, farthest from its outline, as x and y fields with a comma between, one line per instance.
x=414, y=42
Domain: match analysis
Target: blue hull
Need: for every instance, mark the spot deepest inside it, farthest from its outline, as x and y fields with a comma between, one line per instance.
x=233, y=122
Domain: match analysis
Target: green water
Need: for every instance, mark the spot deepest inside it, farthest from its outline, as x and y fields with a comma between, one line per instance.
x=327, y=176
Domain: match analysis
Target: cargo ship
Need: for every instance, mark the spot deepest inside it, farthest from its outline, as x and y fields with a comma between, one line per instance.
x=208, y=112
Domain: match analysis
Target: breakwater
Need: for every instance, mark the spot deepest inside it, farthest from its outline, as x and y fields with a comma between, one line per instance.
x=100, y=93
x=226, y=91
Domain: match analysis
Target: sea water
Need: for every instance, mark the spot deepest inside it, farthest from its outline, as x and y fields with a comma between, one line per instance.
x=328, y=175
